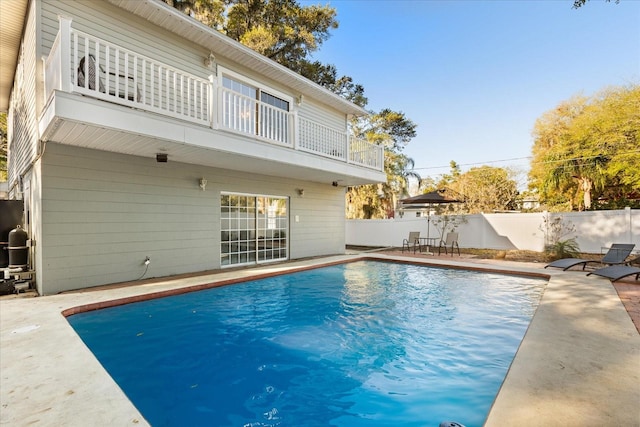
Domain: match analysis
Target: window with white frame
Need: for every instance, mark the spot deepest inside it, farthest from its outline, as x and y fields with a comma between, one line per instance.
x=253, y=228
x=248, y=108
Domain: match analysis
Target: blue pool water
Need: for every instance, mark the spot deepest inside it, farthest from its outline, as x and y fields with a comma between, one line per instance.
x=359, y=344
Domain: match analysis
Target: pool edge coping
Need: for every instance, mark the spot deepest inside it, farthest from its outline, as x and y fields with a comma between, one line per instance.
x=224, y=282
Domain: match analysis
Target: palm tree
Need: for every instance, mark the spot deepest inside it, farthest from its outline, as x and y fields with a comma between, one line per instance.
x=399, y=169
x=585, y=175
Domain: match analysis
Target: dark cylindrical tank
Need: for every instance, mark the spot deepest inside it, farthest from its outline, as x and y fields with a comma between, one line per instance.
x=11, y=213
x=18, y=250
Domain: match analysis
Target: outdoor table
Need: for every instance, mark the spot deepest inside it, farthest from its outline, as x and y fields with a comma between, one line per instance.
x=429, y=242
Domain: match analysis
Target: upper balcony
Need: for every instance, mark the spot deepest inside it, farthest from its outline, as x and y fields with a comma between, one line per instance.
x=128, y=102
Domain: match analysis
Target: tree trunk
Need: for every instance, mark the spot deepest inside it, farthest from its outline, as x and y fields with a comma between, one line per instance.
x=586, y=185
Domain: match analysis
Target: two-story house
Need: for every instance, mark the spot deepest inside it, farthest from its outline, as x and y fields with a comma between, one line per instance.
x=136, y=132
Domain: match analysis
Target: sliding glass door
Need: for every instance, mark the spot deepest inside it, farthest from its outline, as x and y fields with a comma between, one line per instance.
x=253, y=228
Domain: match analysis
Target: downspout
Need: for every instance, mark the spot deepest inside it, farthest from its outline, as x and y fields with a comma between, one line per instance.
x=42, y=145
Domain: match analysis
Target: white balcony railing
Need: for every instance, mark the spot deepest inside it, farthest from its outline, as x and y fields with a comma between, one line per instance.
x=319, y=139
x=85, y=64
x=107, y=71
x=366, y=154
x=240, y=113
x=316, y=138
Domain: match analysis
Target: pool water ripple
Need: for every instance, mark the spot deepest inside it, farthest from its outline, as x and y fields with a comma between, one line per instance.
x=360, y=344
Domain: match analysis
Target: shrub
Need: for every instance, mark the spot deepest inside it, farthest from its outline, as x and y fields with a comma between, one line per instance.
x=562, y=249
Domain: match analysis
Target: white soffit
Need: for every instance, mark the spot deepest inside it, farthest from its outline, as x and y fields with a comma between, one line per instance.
x=167, y=17
x=12, y=16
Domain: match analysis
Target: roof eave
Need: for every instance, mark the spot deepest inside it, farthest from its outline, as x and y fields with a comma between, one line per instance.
x=12, y=18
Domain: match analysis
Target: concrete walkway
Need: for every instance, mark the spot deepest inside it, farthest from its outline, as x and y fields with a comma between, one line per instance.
x=578, y=365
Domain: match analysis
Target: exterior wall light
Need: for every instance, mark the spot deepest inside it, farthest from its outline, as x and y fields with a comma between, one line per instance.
x=300, y=191
x=210, y=62
x=203, y=184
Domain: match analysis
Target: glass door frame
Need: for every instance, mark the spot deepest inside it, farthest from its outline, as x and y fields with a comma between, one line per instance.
x=254, y=228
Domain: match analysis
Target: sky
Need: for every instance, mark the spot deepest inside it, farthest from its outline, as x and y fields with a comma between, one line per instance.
x=475, y=75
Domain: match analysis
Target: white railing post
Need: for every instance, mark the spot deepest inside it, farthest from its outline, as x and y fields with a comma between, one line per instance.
x=220, y=106
x=213, y=90
x=65, y=53
x=629, y=223
x=295, y=126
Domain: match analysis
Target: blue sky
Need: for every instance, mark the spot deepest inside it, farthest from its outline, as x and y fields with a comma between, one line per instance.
x=475, y=75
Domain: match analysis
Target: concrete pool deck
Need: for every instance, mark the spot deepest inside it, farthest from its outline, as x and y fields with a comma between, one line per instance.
x=578, y=365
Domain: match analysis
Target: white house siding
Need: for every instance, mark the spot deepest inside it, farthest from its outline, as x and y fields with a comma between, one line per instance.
x=22, y=124
x=321, y=226
x=311, y=110
x=106, y=21
x=103, y=213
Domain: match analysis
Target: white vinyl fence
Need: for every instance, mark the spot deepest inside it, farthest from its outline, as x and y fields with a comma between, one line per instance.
x=506, y=231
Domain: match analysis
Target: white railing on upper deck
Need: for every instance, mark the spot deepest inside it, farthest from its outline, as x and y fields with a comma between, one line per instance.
x=82, y=63
x=336, y=144
x=319, y=139
x=364, y=153
x=52, y=67
x=241, y=113
x=110, y=72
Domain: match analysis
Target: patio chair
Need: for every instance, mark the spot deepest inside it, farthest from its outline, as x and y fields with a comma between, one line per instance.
x=617, y=254
x=412, y=241
x=87, y=79
x=450, y=242
x=617, y=272
x=87, y=74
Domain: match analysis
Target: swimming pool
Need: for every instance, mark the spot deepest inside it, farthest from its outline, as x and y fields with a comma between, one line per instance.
x=359, y=344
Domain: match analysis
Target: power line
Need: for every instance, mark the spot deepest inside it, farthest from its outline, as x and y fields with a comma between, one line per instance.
x=530, y=157
x=474, y=164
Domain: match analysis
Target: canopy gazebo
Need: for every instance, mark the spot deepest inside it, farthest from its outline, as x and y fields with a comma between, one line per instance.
x=428, y=200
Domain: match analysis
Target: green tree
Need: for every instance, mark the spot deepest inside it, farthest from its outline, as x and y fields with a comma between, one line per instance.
x=587, y=149
x=327, y=76
x=209, y=12
x=377, y=201
x=365, y=202
x=280, y=29
x=486, y=189
x=393, y=131
x=548, y=134
x=447, y=179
